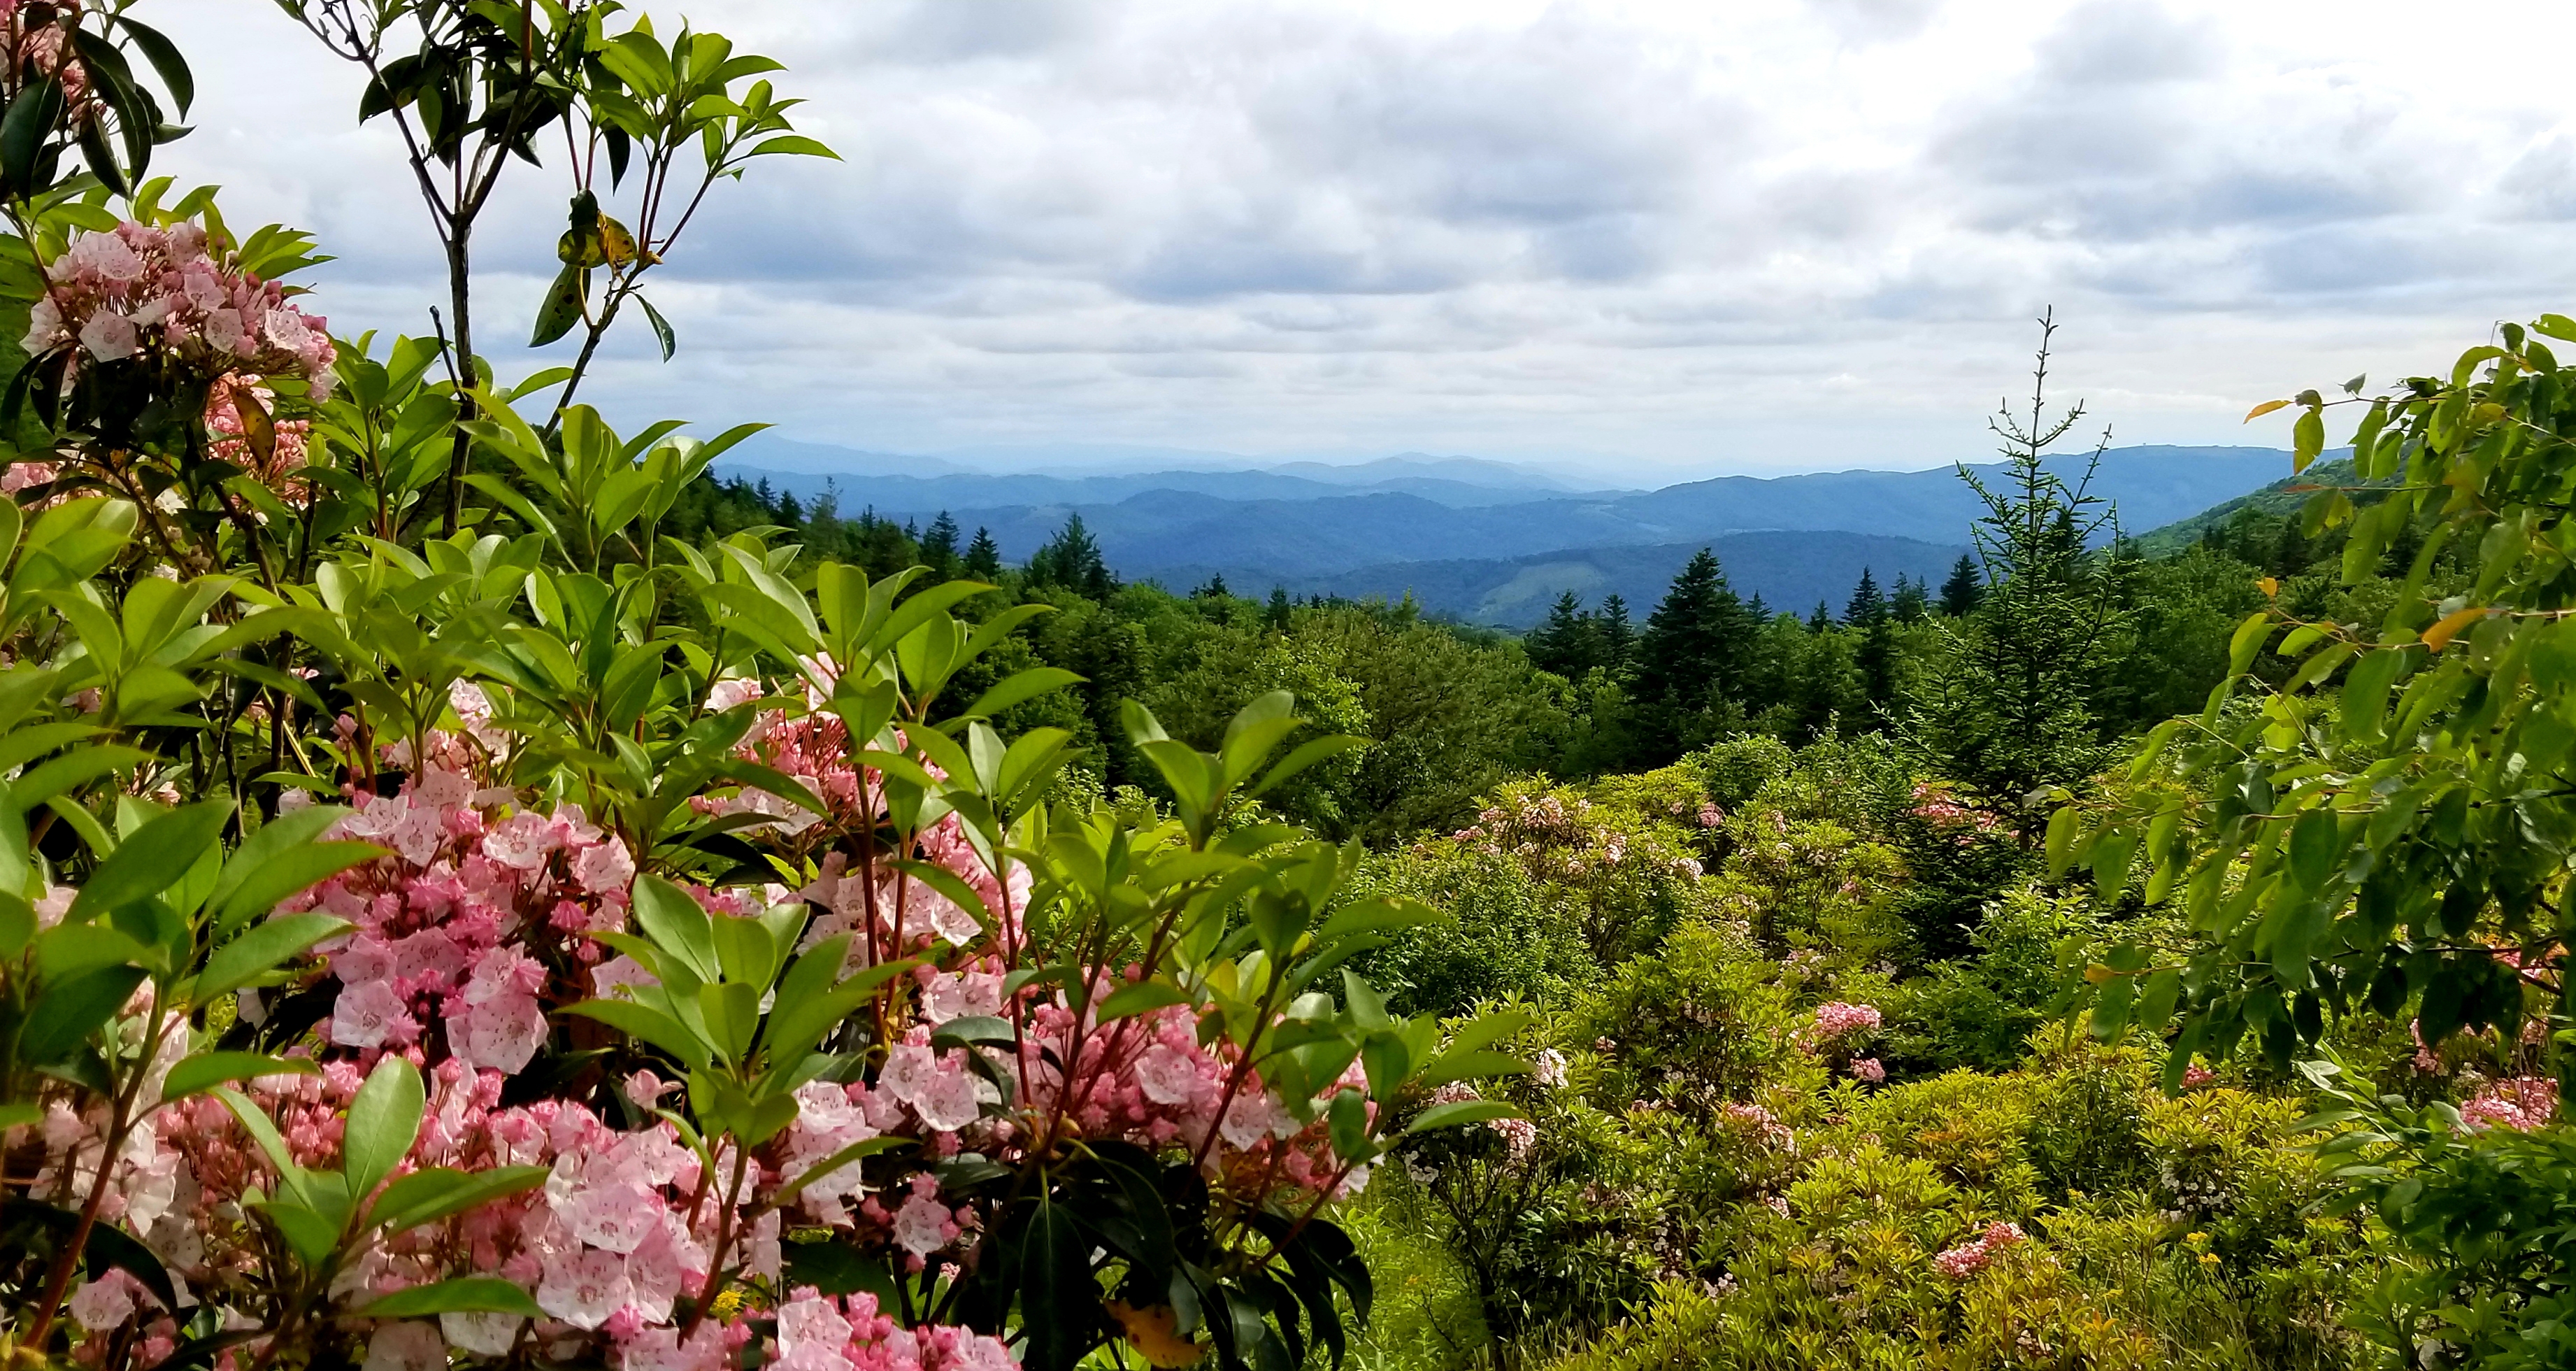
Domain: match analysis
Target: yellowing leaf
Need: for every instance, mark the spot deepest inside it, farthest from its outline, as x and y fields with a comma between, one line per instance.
x=1149, y=1331
x=2439, y=636
x=2097, y=973
x=2265, y=408
x=257, y=428
x=2271, y=587
x=615, y=242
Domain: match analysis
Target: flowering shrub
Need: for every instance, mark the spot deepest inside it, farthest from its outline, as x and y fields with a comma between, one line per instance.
x=1970, y=1257
x=554, y=942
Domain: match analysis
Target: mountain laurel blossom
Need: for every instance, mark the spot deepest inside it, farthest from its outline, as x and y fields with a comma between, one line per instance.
x=140, y=290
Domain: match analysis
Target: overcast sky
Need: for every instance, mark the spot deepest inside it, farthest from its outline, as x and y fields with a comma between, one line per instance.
x=1646, y=240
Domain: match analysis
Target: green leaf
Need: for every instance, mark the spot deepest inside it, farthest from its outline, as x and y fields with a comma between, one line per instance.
x=165, y=59
x=312, y=1237
x=1018, y=687
x=459, y=1295
x=383, y=1122
x=1458, y=1113
x=31, y=119
x=793, y=145
x=261, y=950
x=208, y=1070
x=2307, y=438
x=107, y=1245
x=1140, y=997
x=2062, y=828
x=866, y=1147
x=2316, y=841
x=292, y=1178
x=651, y=1026
x=661, y=327
x=434, y=1193
x=2247, y=641
x=677, y=924
x=275, y=839
x=1468, y=1066
x=2112, y=853
x=70, y=1009
x=562, y=307
x=153, y=859
x=795, y=1028
x=1059, y=1298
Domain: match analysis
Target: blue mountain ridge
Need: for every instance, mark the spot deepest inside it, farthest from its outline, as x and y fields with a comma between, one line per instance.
x=1500, y=551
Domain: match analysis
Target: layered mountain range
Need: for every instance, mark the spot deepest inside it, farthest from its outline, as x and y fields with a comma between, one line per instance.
x=1488, y=542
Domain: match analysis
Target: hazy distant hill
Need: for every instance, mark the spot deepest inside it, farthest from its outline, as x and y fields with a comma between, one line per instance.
x=1790, y=571
x=1178, y=521
x=922, y=497
x=2288, y=495
x=1484, y=540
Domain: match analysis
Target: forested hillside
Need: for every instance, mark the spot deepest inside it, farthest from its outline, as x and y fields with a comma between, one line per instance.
x=1769, y=881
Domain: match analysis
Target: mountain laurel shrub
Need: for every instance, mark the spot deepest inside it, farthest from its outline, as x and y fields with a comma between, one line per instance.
x=446, y=920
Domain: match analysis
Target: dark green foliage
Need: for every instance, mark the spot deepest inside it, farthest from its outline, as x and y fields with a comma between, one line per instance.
x=1691, y=660
x=1071, y=561
x=1966, y=586
x=983, y=556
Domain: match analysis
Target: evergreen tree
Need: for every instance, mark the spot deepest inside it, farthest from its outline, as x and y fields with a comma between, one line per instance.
x=2007, y=713
x=983, y=556
x=939, y=546
x=1690, y=658
x=1072, y=561
x=1875, y=658
x=790, y=512
x=1822, y=619
x=1567, y=643
x=1866, y=605
x=1282, y=610
x=1214, y=589
x=1912, y=602
x=1616, y=639
x=1960, y=594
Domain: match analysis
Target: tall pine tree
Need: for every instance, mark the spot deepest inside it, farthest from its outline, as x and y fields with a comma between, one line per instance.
x=1567, y=643
x=1617, y=638
x=1960, y=594
x=1911, y=603
x=2008, y=712
x=1689, y=660
x=1869, y=614
x=983, y=556
x=939, y=546
x=1071, y=560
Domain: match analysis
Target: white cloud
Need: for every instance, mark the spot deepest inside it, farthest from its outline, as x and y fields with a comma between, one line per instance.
x=1755, y=236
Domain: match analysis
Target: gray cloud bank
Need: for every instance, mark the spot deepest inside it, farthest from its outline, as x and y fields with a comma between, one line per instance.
x=1645, y=240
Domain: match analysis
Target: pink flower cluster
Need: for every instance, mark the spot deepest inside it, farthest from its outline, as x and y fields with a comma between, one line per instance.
x=1758, y=1124
x=144, y=290
x=2520, y=1103
x=446, y=921
x=477, y=926
x=1868, y=1070
x=1557, y=841
x=1934, y=806
x=1836, y=1020
x=1971, y=1257
x=818, y=1332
